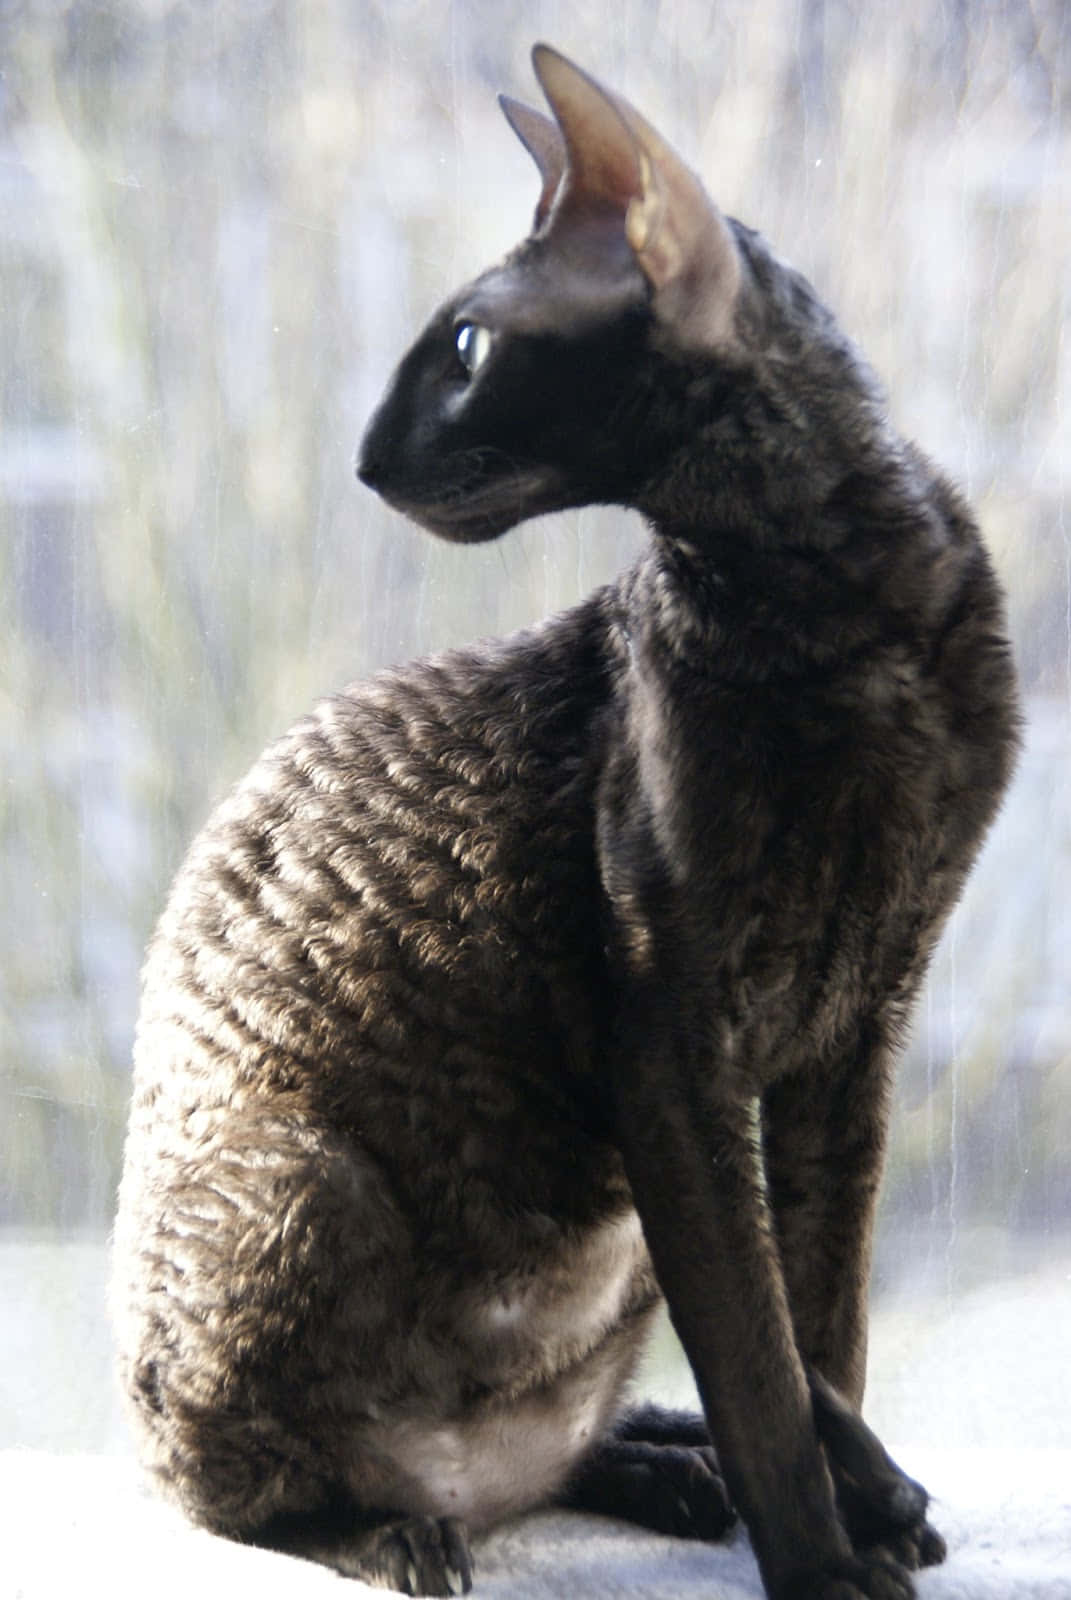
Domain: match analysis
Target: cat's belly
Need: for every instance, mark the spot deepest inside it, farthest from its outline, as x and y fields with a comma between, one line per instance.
x=541, y=1324
x=555, y=1355
x=496, y=1465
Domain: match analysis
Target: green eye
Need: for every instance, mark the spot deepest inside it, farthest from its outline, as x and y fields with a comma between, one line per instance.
x=473, y=346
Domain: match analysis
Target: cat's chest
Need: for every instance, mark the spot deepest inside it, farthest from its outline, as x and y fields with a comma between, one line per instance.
x=791, y=852
x=756, y=778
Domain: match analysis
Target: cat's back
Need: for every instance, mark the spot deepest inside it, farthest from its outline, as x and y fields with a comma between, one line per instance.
x=383, y=959
x=366, y=1051
x=409, y=861
x=364, y=1163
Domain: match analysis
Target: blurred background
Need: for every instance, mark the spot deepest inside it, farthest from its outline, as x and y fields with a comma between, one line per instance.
x=220, y=225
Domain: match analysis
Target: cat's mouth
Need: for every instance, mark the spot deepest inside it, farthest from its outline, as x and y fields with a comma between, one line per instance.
x=475, y=513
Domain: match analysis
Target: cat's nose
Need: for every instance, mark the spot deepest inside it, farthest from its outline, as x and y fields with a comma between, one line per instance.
x=368, y=466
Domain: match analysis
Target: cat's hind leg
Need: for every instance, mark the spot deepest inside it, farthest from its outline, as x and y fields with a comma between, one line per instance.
x=654, y=1424
x=409, y=1555
x=658, y=1469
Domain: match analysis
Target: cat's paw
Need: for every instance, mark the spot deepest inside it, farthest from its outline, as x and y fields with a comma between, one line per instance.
x=919, y=1545
x=888, y=1519
x=868, y=1577
x=418, y=1556
x=674, y=1489
x=883, y=1510
x=683, y=1493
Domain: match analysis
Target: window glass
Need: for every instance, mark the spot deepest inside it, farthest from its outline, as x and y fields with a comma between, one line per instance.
x=219, y=227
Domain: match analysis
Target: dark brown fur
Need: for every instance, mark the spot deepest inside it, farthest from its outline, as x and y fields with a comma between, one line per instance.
x=520, y=985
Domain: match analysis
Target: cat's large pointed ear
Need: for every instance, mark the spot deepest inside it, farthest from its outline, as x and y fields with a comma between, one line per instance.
x=544, y=143
x=617, y=164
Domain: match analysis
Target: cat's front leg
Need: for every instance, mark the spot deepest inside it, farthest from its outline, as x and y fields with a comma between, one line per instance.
x=688, y=1139
x=823, y=1145
x=882, y=1508
x=823, y=1142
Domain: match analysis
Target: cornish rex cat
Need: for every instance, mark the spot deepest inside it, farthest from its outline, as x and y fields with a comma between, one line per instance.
x=524, y=985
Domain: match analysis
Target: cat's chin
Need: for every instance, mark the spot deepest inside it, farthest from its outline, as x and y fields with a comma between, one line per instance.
x=479, y=517
x=473, y=528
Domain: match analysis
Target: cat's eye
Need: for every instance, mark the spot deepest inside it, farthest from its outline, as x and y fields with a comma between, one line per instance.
x=473, y=343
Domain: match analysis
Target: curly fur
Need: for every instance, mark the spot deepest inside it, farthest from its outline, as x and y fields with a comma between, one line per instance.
x=523, y=984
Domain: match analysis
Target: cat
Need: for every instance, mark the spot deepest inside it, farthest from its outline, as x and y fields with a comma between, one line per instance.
x=522, y=986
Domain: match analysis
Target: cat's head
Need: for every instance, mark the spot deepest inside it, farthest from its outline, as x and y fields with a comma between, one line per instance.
x=633, y=314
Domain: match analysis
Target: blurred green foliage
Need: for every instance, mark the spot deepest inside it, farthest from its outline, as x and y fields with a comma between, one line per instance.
x=220, y=224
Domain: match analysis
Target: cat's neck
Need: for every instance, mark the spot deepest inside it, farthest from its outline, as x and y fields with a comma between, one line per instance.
x=748, y=592
x=781, y=457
